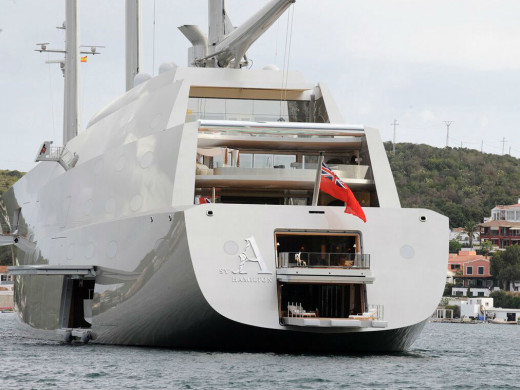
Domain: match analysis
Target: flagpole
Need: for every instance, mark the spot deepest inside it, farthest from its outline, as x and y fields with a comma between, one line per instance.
x=316, y=192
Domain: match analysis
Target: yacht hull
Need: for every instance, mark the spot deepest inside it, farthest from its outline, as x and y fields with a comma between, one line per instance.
x=172, y=299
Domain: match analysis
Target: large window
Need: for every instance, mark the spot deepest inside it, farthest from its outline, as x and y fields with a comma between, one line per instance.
x=480, y=270
x=262, y=160
x=469, y=270
x=238, y=109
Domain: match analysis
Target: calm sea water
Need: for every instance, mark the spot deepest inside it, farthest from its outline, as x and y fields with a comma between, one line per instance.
x=447, y=356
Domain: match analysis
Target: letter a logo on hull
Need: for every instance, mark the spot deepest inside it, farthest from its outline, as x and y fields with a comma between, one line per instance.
x=257, y=258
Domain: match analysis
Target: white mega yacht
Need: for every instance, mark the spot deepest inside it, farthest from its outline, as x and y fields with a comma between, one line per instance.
x=187, y=215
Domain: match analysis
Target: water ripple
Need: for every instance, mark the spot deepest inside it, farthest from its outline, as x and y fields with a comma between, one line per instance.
x=446, y=356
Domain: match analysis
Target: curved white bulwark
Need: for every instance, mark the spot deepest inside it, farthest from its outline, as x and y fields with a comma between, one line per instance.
x=186, y=221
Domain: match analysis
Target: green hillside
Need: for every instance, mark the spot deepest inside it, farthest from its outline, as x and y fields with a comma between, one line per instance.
x=460, y=183
x=8, y=178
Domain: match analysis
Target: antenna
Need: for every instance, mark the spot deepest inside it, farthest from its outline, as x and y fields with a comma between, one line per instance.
x=395, y=124
x=93, y=49
x=43, y=46
x=448, y=124
x=70, y=68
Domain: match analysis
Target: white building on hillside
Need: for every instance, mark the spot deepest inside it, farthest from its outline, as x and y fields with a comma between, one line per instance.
x=475, y=307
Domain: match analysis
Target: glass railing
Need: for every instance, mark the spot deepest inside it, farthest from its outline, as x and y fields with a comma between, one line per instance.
x=323, y=260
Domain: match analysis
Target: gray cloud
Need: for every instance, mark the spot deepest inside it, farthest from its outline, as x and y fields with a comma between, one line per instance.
x=420, y=62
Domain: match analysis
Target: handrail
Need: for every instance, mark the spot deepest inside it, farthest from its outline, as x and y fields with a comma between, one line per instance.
x=323, y=259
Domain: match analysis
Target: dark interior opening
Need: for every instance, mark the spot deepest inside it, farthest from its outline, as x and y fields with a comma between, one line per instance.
x=251, y=200
x=316, y=243
x=81, y=290
x=331, y=301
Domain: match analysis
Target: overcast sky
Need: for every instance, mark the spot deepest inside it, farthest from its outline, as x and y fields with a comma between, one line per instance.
x=421, y=62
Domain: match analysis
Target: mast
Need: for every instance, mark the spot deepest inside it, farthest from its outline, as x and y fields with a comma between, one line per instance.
x=216, y=17
x=71, y=106
x=133, y=41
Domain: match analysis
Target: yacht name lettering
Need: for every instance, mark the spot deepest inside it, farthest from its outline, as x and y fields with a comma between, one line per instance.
x=251, y=247
x=251, y=279
x=244, y=279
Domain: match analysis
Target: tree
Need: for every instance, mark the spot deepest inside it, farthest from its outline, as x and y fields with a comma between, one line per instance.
x=471, y=227
x=455, y=246
x=505, y=299
x=505, y=266
x=485, y=247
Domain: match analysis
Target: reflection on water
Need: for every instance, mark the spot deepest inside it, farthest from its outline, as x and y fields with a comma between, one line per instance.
x=446, y=356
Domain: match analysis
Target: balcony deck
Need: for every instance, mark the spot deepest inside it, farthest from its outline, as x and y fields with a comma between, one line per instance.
x=312, y=267
x=355, y=176
x=322, y=322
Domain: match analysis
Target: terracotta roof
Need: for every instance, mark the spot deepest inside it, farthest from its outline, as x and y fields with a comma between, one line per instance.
x=506, y=207
x=467, y=253
x=500, y=224
x=473, y=261
x=3, y=269
x=465, y=259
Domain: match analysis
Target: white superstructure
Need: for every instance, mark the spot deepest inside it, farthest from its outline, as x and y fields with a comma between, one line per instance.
x=186, y=221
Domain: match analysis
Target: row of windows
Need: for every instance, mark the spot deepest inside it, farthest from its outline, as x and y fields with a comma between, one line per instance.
x=469, y=269
x=506, y=215
x=503, y=232
x=461, y=293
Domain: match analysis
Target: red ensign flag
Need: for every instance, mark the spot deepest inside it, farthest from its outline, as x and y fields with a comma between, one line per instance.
x=332, y=185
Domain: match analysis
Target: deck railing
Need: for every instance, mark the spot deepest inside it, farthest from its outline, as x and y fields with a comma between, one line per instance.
x=323, y=260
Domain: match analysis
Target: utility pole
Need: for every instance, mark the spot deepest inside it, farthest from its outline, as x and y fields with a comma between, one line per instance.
x=395, y=124
x=503, y=144
x=448, y=124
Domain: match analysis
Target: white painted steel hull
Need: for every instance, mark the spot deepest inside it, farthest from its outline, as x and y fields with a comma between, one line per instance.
x=186, y=294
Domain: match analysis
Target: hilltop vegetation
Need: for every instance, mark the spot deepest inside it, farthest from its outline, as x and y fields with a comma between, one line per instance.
x=463, y=184
x=8, y=178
